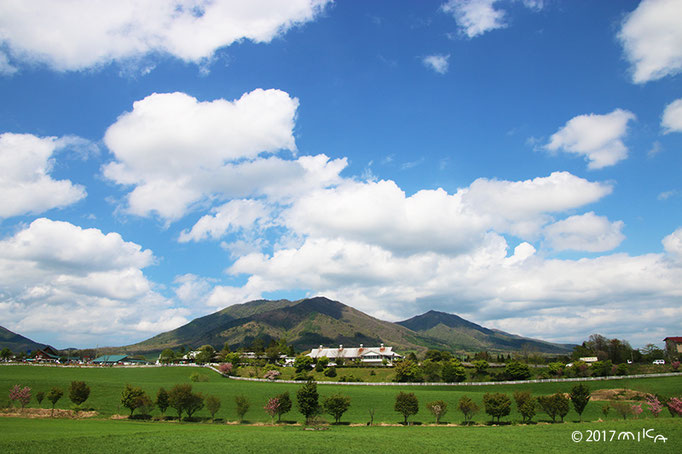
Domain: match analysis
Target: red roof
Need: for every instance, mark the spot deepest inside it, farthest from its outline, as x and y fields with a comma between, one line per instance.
x=674, y=339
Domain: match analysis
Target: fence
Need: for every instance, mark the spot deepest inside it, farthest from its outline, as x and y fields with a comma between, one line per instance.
x=484, y=383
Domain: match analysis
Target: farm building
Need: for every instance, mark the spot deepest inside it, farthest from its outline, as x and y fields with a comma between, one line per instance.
x=109, y=360
x=371, y=356
x=673, y=344
x=46, y=354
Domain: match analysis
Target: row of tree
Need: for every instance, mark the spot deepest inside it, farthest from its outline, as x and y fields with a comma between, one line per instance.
x=79, y=392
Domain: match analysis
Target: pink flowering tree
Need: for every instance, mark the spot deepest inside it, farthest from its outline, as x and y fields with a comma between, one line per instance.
x=272, y=408
x=654, y=405
x=675, y=365
x=225, y=368
x=272, y=374
x=675, y=406
x=637, y=410
x=21, y=395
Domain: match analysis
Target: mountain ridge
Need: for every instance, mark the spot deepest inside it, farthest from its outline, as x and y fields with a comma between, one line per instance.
x=310, y=322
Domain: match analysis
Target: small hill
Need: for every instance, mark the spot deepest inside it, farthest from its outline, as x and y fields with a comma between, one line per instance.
x=16, y=342
x=464, y=335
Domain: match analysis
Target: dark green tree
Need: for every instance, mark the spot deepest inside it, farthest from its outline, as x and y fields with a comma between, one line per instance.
x=40, y=395
x=497, y=405
x=408, y=371
x=580, y=396
x=406, y=404
x=336, y=405
x=468, y=407
x=79, y=392
x=182, y=399
x=302, y=363
x=453, y=371
x=5, y=354
x=308, y=400
x=133, y=397
x=515, y=370
x=162, y=400
x=525, y=404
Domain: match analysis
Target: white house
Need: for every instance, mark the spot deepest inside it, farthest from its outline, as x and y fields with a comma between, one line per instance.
x=371, y=356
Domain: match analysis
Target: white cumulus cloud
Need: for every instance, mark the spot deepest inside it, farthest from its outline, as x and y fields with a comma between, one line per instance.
x=177, y=151
x=475, y=17
x=25, y=182
x=586, y=232
x=438, y=63
x=80, y=284
x=673, y=244
x=672, y=117
x=652, y=39
x=599, y=138
x=80, y=34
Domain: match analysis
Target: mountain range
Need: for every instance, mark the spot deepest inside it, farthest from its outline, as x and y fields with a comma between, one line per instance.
x=311, y=322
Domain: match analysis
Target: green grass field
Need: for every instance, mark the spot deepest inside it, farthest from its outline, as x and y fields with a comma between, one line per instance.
x=102, y=434
x=107, y=383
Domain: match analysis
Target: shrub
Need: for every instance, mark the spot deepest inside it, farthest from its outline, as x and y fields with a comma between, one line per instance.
x=525, y=404
x=654, y=405
x=468, y=407
x=675, y=406
x=242, y=406
x=225, y=368
x=497, y=405
x=406, y=404
x=515, y=370
x=675, y=365
x=79, y=392
x=336, y=405
x=350, y=378
x=481, y=366
x=621, y=369
x=302, y=376
x=307, y=398
x=438, y=408
x=330, y=372
x=197, y=377
x=272, y=375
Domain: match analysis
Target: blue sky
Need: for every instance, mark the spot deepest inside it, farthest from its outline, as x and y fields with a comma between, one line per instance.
x=514, y=162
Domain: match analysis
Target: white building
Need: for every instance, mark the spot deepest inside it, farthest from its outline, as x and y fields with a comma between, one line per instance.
x=371, y=356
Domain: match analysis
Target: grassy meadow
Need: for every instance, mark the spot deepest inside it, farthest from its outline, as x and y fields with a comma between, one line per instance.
x=103, y=434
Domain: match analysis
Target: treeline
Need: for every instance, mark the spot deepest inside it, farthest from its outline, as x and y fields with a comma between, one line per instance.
x=186, y=403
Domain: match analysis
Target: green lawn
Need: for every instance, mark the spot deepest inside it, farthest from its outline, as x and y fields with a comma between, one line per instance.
x=107, y=384
x=106, y=436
